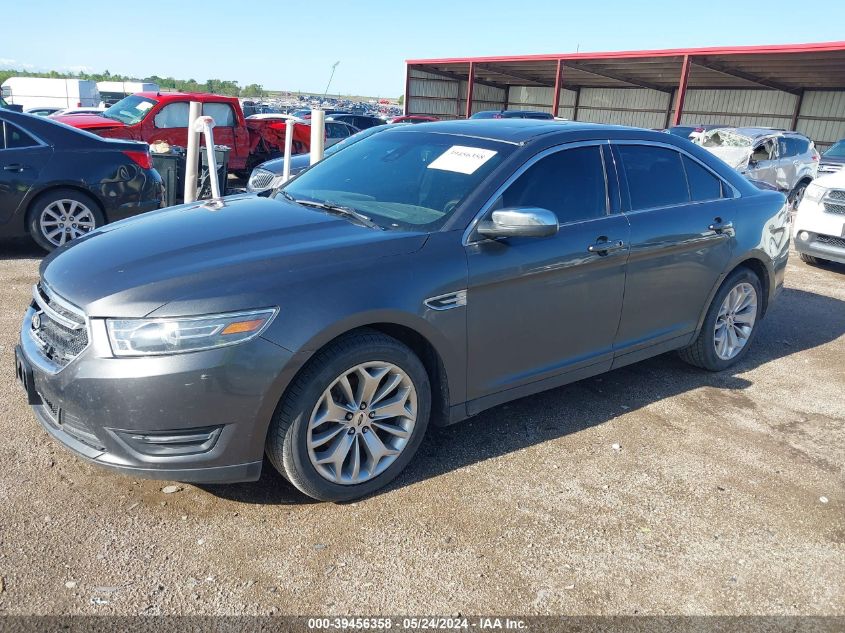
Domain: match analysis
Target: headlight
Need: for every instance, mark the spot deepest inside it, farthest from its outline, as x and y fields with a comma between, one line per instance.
x=148, y=337
x=814, y=192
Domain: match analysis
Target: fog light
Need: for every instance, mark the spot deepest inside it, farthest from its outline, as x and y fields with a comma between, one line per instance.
x=804, y=236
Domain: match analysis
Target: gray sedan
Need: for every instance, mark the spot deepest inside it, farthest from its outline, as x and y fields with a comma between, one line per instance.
x=418, y=277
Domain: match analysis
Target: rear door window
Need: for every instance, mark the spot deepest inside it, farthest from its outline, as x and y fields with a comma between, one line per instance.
x=222, y=113
x=703, y=185
x=173, y=115
x=16, y=138
x=570, y=183
x=655, y=176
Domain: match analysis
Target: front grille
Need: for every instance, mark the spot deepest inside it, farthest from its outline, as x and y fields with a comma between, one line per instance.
x=59, y=342
x=260, y=180
x=833, y=207
x=71, y=424
x=831, y=240
x=836, y=194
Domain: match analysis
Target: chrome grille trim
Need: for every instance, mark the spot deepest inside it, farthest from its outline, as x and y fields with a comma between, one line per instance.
x=63, y=332
x=260, y=179
x=53, y=314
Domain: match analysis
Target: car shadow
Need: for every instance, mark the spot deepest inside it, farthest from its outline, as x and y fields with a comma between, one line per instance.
x=20, y=248
x=587, y=403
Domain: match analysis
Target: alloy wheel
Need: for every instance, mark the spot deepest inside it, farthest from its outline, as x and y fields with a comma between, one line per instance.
x=362, y=422
x=735, y=321
x=65, y=220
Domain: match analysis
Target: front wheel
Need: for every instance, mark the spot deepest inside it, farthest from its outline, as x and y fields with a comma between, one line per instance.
x=353, y=418
x=730, y=324
x=62, y=215
x=809, y=259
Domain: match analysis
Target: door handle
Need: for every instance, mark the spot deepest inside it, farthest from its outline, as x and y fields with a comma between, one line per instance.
x=719, y=226
x=14, y=167
x=604, y=247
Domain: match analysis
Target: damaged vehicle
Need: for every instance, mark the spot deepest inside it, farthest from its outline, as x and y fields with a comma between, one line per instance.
x=786, y=160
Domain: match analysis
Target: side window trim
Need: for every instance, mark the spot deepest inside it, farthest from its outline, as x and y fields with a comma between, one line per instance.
x=485, y=208
x=727, y=188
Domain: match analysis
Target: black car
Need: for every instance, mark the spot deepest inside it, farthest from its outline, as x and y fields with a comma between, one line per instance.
x=361, y=121
x=58, y=183
x=512, y=114
x=833, y=159
x=10, y=106
x=422, y=275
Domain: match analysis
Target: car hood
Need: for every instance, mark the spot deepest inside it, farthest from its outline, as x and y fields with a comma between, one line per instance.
x=835, y=180
x=203, y=258
x=298, y=162
x=88, y=121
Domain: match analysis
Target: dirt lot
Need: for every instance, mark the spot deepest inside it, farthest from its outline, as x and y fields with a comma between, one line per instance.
x=724, y=495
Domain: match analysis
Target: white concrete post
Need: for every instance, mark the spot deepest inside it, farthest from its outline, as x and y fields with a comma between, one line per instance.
x=318, y=135
x=288, y=149
x=192, y=158
x=204, y=124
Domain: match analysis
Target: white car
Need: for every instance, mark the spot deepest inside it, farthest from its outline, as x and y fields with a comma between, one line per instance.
x=819, y=231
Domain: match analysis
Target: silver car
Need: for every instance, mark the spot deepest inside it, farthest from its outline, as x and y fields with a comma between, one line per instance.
x=786, y=160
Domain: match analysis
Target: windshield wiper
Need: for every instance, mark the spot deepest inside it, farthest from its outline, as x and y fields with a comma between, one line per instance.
x=331, y=207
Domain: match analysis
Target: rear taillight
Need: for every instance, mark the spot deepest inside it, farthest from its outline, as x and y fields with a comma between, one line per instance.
x=140, y=158
x=816, y=156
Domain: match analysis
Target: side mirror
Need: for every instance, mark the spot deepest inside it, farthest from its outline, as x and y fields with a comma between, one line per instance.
x=520, y=222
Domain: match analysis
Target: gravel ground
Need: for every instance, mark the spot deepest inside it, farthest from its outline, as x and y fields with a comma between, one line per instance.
x=655, y=489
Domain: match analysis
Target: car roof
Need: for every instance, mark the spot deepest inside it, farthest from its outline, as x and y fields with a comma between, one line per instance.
x=519, y=131
x=758, y=132
x=172, y=96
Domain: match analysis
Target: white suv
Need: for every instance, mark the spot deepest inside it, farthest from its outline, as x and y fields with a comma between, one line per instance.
x=820, y=222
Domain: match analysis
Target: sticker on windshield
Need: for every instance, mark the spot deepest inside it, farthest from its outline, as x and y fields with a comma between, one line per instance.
x=144, y=105
x=464, y=160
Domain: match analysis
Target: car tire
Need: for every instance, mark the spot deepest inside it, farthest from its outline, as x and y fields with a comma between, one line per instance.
x=75, y=212
x=809, y=259
x=319, y=390
x=709, y=350
x=796, y=195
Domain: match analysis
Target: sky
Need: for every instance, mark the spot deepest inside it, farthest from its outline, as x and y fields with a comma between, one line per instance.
x=269, y=42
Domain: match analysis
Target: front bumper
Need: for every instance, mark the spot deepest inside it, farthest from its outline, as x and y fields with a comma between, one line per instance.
x=196, y=417
x=831, y=249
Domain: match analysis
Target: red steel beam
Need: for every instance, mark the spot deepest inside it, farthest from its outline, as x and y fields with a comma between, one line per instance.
x=407, y=89
x=470, y=83
x=682, y=91
x=556, y=100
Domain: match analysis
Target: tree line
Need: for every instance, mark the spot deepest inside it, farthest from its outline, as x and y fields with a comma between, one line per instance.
x=215, y=86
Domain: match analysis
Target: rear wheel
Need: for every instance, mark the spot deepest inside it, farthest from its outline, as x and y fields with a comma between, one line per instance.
x=797, y=195
x=61, y=215
x=730, y=324
x=353, y=418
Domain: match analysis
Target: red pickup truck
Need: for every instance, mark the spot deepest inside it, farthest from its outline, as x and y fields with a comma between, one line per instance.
x=163, y=116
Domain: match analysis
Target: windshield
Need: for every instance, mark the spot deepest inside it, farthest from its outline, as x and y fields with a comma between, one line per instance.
x=724, y=138
x=130, y=110
x=837, y=150
x=403, y=179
